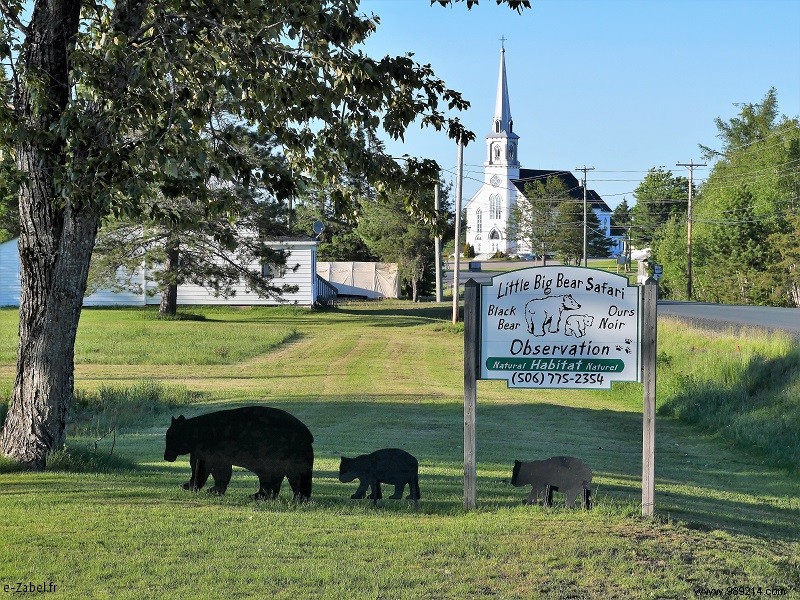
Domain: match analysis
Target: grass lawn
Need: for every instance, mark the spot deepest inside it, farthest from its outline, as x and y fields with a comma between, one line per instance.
x=367, y=376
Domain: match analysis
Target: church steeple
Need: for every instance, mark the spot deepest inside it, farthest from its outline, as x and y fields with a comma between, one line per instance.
x=502, y=109
x=501, y=143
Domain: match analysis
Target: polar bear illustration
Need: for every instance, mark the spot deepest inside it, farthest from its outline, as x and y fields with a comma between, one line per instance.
x=576, y=325
x=541, y=312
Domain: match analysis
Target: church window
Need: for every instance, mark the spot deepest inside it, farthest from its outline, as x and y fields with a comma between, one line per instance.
x=495, y=211
x=511, y=125
x=494, y=235
x=497, y=126
x=497, y=151
x=479, y=221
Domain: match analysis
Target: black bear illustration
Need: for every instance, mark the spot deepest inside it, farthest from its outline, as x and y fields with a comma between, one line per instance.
x=390, y=465
x=563, y=473
x=544, y=314
x=268, y=441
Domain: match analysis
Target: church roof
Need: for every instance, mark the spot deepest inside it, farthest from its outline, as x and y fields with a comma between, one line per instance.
x=571, y=183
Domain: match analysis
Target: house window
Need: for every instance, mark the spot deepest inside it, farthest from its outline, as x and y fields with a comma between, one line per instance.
x=479, y=221
x=272, y=271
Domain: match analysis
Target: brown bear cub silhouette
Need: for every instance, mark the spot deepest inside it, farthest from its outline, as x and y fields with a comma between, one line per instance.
x=390, y=465
x=267, y=441
x=562, y=473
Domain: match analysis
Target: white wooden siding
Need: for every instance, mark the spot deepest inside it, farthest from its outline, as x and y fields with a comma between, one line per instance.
x=9, y=274
x=301, y=253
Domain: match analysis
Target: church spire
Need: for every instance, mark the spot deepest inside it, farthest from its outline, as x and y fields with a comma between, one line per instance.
x=502, y=110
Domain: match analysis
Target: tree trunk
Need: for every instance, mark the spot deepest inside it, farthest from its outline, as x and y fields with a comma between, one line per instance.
x=57, y=234
x=55, y=245
x=169, y=293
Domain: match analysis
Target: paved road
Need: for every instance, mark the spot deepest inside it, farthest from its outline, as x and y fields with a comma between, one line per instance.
x=722, y=315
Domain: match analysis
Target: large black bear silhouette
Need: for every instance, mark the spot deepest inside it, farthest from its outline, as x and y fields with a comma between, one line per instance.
x=390, y=465
x=270, y=442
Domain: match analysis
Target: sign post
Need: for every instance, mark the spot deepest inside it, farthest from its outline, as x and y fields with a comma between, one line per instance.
x=472, y=299
x=554, y=327
x=649, y=351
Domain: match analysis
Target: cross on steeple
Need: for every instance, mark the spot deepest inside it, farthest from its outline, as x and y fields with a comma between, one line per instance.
x=503, y=42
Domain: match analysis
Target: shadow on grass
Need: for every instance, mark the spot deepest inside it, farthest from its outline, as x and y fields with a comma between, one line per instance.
x=699, y=480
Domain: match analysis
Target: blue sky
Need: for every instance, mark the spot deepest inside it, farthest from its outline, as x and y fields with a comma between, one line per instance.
x=619, y=85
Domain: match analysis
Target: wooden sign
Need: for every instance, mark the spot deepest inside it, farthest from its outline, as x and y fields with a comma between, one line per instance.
x=560, y=327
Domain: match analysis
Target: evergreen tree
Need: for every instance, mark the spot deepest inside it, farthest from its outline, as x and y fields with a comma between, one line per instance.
x=568, y=245
x=533, y=217
x=659, y=196
x=743, y=219
x=393, y=235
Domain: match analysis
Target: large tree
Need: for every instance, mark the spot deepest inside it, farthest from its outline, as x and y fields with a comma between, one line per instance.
x=216, y=251
x=744, y=230
x=99, y=101
x=532, y=219
x=659, y=196
x=744, y=241
x=393, y=235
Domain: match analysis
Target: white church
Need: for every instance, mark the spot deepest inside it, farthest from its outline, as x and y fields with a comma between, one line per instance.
x=504, y=181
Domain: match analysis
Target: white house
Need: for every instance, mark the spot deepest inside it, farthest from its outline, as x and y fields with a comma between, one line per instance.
x=301, y=253
x=504, y=182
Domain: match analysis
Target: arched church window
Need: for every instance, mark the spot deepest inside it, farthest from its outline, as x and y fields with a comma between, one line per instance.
x=497, y=151
x=511, y=125
x=497, y=126
x=478, y=221
x=495, y=211
x=494, y=235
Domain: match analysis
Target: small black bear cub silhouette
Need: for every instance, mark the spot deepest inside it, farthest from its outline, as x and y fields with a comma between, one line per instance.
x=562, y=473
x=268, y=441
x=390, y=465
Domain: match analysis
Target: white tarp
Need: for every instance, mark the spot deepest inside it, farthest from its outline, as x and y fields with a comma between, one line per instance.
x=369, y=279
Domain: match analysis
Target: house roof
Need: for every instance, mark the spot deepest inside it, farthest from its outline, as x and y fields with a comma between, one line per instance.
x=571, y=183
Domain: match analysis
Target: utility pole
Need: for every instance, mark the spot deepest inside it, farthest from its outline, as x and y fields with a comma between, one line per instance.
x=437, y=247
x=585, y=229
x=691, y=164
x=456, y=262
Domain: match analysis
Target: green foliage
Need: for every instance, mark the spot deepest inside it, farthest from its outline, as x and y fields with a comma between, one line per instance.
x=392, y=234
x=744, y=218
x=568, y=245
x=669, y=250
x=532, y=221
x=621, y=217
x=659, y=196
x=788, y=263
x=468, y=251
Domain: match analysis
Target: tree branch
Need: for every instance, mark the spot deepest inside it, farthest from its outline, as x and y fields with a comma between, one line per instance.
x=6, y=11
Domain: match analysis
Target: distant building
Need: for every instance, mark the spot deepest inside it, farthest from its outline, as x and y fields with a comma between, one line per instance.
x=504, y=182
x=301, y=271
